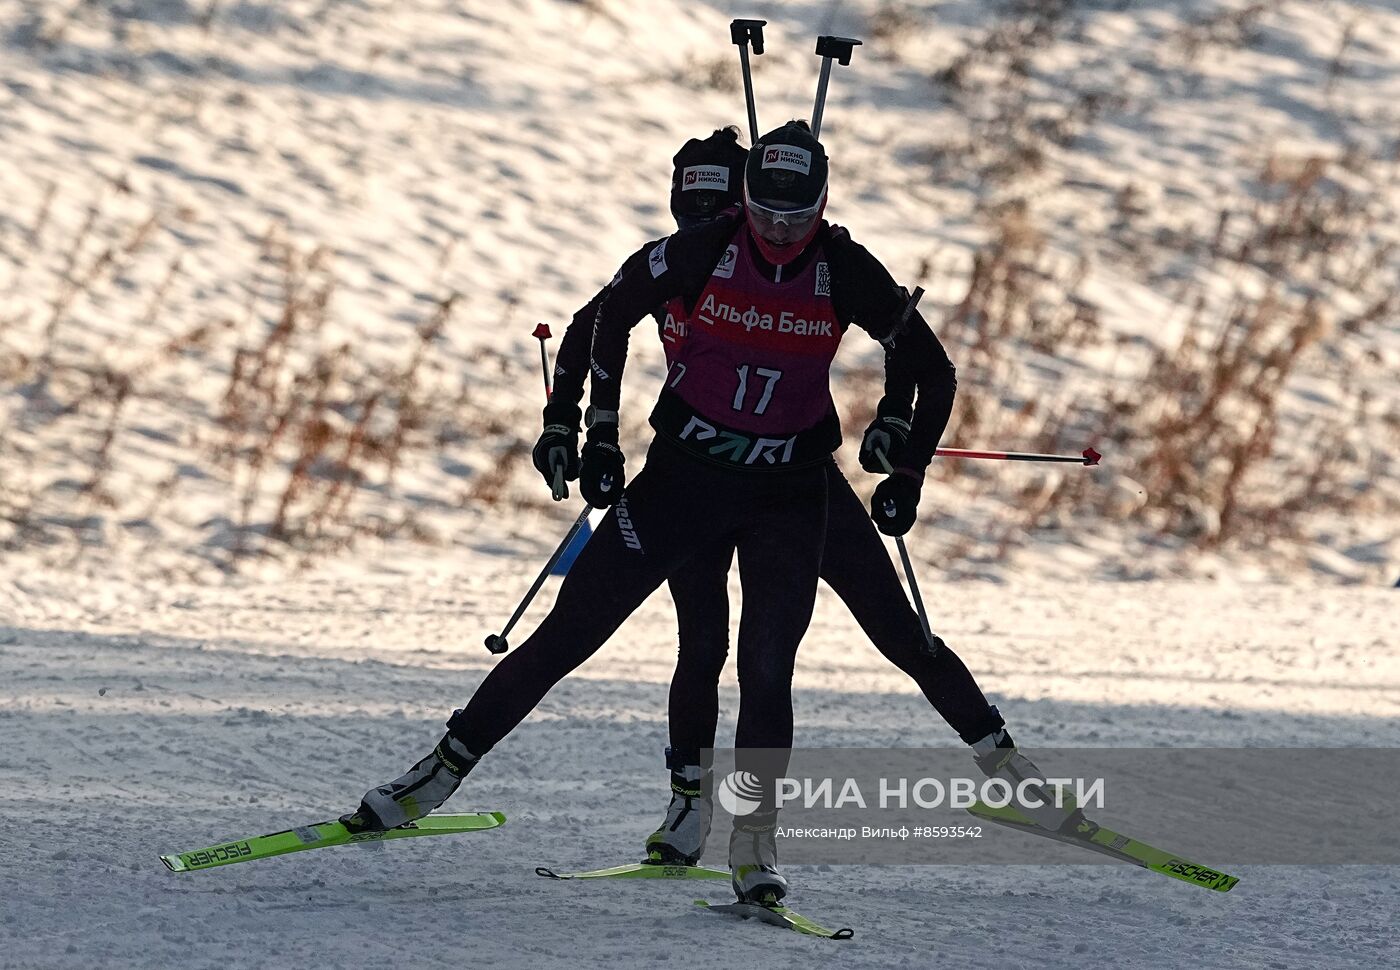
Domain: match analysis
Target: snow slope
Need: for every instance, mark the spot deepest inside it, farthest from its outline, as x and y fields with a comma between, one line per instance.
x=182, y=173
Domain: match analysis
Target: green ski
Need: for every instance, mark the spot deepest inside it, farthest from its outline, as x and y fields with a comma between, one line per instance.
x=777, y=916
x=321, y=835
x=1091, y=835
x=638, y=870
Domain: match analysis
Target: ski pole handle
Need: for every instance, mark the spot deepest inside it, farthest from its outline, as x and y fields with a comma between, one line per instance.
x=742, y=33
x=884, y=462
x=496, y=642
x=829, y=47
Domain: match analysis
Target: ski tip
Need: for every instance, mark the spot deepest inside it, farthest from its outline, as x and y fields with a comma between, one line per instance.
x=500, y=817
x=174, y=863
x=548, y=873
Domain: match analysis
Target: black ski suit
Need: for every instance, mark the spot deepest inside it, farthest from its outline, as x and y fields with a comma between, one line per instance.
x=716, y=481
x=855, y=560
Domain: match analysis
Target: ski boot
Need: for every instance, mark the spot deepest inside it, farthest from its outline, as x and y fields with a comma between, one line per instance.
x=997, y=756
x=415, y=793
x=753, y=861
x=681, y=838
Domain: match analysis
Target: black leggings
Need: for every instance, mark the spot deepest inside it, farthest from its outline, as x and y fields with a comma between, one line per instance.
x=678, y=508
x=856, y=565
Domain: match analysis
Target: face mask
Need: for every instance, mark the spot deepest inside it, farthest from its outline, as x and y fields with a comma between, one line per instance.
x=782, y=233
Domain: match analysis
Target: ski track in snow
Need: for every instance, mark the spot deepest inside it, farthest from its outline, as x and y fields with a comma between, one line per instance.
x=137, y=720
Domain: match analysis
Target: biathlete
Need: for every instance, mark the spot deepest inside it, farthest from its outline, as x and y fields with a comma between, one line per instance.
x=706, y=180
x=745, y=429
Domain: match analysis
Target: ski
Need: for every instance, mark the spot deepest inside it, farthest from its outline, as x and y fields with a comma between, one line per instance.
x=1091, y=835
x=638, y=870
x=777, y=916
x=321, y=835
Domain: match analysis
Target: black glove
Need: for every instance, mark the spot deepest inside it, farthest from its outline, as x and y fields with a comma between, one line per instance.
x=895, y=504
x=558, y=447
x=600, y=476
x=887, y=434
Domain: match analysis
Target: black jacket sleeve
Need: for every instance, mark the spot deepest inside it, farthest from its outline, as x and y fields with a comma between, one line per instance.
x=916, y=358
x=575, y=348
x=678, y=265
x=864, y=293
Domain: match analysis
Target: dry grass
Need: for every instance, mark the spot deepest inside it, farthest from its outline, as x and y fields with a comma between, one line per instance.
x=305, y=425
x=1200, y=428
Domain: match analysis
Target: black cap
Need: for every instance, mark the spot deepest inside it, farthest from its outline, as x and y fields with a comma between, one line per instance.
x=788, y=165
x=707, y=175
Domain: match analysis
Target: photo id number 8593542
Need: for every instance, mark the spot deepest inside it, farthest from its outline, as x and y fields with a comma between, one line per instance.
x=947, y=831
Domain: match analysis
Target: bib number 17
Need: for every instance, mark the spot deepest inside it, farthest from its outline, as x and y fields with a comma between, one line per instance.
x=741, y=393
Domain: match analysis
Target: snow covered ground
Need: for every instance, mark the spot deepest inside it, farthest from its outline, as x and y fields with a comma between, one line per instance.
x=180, y=178
x=136, y=720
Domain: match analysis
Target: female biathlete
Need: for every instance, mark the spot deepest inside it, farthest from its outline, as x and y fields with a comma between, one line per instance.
x=706, y=180
x=745, y=431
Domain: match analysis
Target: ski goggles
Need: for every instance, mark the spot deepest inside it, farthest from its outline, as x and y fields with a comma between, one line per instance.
x=798, y=221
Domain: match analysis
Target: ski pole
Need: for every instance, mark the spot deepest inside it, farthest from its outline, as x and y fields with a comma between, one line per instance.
x=741, y=33
x=558, y=488
x=497, y=642
x=829, y=47
x=929, y=638
x=909, y=571
x=1087, y=457
x=542, y=334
